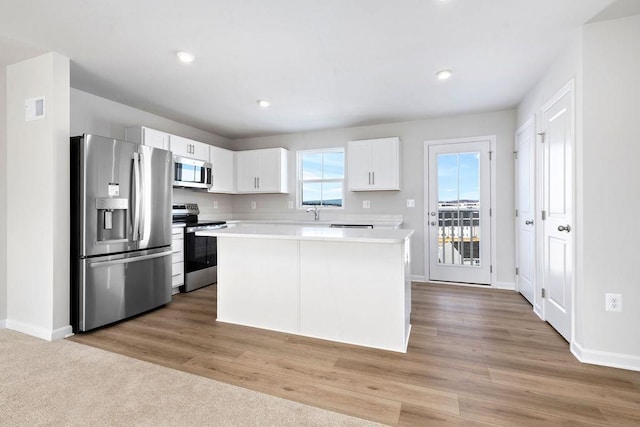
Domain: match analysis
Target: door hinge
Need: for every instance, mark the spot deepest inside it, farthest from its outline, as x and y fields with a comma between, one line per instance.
x=490, y=212
x=517, y=271
x=543, y=293
x=544, y=215
x=515, y=155
x=542, y=135
x=516, y=213
x=491, y=269
x=490, y=154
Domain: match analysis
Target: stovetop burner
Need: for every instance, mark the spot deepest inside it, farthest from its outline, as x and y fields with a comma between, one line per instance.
x=187, y=213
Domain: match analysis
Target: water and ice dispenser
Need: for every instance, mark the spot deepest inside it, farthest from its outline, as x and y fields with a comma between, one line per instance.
x=112, y=219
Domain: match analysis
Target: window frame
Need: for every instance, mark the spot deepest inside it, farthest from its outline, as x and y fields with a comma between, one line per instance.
x=300, y=181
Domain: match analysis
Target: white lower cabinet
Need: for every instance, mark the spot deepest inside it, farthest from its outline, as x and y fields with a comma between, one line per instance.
x=177, y=270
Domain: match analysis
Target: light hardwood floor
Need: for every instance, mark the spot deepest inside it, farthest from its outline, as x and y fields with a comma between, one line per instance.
x=475, y=356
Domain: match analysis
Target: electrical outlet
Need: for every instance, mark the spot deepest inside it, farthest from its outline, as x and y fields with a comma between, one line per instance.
x=613, y=302
x=215, y=204
x=366, y=204
x=290, y=204
x=253, y=205
x=411, y=203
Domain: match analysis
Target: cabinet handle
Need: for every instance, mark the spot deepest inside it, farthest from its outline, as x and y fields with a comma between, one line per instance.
x=369, y=178
x=373, y=178
x=258, y=182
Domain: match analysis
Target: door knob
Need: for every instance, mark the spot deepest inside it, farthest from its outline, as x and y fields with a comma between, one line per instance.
x=528, y=222
x=433, y=214
x=433, y=223
x=566, y=228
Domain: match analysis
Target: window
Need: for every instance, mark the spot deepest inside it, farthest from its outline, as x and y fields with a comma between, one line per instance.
x=321, y=178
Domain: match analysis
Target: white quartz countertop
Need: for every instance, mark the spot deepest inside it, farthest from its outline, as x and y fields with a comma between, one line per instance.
x=312, y=223
x=298, y=232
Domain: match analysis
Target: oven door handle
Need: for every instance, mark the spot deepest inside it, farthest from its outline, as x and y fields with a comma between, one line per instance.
x=205, y=228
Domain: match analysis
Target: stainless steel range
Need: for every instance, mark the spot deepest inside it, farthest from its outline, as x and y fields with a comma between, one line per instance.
x=201, y=252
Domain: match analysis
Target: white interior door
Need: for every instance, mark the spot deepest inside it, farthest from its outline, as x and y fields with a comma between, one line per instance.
x=525, y=210
x=458, y=214
x=558, y=139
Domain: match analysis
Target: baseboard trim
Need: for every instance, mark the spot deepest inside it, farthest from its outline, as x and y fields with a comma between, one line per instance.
x=418, y=279
x=538, y=312
x=511, y=286
x=3, y=324
x=605, y=358
x=38, y=332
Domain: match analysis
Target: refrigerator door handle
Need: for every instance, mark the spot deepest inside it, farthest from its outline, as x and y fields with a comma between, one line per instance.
x=128, y=260
x=137, y=191
x=142, y=182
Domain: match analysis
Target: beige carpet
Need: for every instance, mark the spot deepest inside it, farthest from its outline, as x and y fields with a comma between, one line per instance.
x=65, y=383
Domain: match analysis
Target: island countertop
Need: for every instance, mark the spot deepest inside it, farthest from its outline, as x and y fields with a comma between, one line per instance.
x=297, y=232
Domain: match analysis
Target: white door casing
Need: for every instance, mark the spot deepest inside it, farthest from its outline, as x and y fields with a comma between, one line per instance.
x=525, y=164
x=557, y=139
x=437, y=268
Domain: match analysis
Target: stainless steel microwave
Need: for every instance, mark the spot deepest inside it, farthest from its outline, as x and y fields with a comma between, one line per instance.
x=191, y=173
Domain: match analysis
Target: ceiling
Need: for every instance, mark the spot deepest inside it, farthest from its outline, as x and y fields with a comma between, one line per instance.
x=321, y=63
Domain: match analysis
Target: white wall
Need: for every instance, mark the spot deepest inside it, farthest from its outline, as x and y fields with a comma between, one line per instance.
x=611, y=149
x=38, y=199
x=412, y=135
x=605, y=62
x=93, y=114
x=3, y=197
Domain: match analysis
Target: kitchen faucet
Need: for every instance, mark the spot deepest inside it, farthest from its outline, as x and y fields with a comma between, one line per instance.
x=316, y=212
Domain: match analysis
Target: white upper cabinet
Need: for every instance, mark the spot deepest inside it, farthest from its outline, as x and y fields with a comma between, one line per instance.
x=185, y=147
x=374, y=164
x=222, y=170
x=262, y=171
x=151, y=137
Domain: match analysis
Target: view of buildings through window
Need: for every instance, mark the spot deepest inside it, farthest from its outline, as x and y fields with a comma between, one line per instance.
x=321, y=177
x=459, y=208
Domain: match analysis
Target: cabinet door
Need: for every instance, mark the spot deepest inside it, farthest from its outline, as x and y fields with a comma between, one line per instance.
x=189, y=148
x=247, y=171
x=180, y=146
x=359, y=171
x=384, y=164
x=223, y=170
x=155, y=138
x=270, y=170
x=200, y=151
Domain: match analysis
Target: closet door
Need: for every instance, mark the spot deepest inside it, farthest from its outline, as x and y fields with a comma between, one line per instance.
x=525, y=172
x=558, y=228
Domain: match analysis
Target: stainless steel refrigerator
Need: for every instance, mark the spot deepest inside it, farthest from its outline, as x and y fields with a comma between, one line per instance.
x=120, y=230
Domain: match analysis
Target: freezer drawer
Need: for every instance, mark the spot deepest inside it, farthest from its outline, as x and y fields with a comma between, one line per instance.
x=116, y=287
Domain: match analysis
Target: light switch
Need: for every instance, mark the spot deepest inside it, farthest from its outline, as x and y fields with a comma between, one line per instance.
x=34, y=108
x=366, y=204
x=411, y=203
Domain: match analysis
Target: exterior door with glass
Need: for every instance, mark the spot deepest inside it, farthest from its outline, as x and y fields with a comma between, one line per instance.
x=458, y=214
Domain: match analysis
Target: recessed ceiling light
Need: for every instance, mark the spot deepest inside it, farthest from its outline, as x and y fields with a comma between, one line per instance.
x=185, y=57
x=444, y=74
x=263, y=103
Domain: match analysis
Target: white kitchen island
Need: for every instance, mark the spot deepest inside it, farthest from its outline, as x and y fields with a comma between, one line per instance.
x=339, y=284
